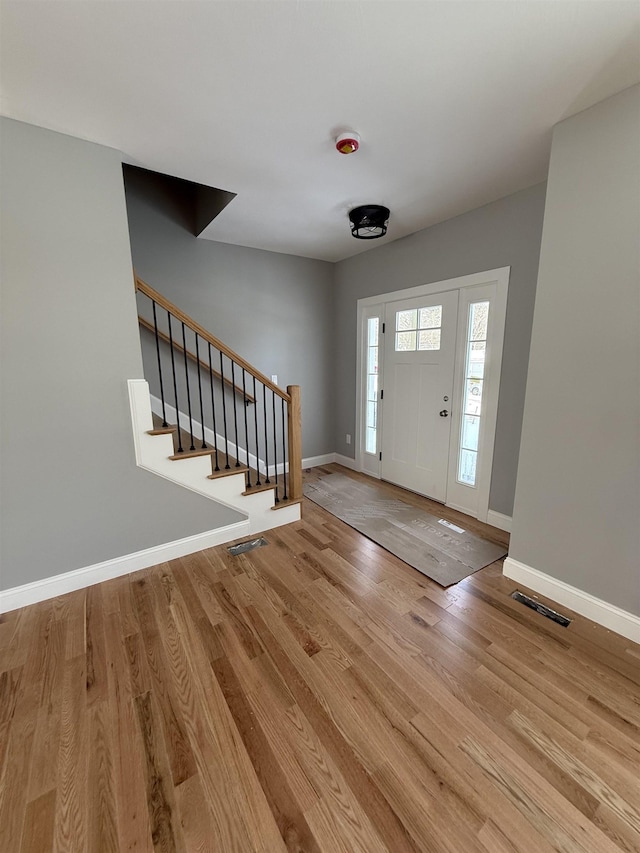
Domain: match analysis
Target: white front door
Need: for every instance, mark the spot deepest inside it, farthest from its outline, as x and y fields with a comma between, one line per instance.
x=419, y=356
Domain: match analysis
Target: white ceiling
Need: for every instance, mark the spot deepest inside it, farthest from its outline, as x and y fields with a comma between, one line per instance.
x=454, y=101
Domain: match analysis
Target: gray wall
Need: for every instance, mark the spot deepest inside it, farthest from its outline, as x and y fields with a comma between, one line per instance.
x=273, y=309
x=577, y=510
x=504, y=233
x=71, y=493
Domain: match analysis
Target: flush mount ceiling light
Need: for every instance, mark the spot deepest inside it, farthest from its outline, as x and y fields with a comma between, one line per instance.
x=369, y=221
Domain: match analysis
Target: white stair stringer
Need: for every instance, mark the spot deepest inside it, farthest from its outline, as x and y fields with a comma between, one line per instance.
x=153, y=452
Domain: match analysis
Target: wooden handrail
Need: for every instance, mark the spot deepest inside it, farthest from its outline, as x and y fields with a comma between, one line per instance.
x=159, y=299
x=163, y=337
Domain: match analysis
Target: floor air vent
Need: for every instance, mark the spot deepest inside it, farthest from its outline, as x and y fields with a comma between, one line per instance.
x=540, y=608
x=243, y=547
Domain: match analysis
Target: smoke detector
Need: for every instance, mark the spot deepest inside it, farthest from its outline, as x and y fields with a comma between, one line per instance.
x=348, y=143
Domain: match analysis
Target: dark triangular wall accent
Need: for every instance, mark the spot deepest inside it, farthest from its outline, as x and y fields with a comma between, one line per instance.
x=193, y=206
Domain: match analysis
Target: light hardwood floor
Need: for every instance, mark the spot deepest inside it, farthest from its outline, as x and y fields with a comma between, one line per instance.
x=313, y=695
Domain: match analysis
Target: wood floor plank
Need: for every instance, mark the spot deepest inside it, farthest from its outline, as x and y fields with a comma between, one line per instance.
x=8, y=622
x=432, y=756
x=15, y=780
x=133, y=826
x=235, y=797
x=419, y=813
x=280, y=795
x=199, y=831
x=102, y=815
x=329, y=782
x=17, y=637
x=593, y=782
x=546, y=814
x=584, y=707
x=95, y=646
x=42, y=776
x=20, y=733
x=442, y=753
x=39, y=816
x=314, y=695
x=615, y=751
x=494, y=840
x=496, y=713
x=420, y=790
x=165, y=830
x=272, y=684
x=9, y=687
x=200, y=702
x=177, y=744
x=282, y=730
x=378, y=810
x=566, y=735
x=70, y=829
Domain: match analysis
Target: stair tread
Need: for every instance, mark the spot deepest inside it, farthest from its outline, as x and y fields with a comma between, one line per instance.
x=282, y=503
x=227, y=472
x=263, y=487
x=189, y=454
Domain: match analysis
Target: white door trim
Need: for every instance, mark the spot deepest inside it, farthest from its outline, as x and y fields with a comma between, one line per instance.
x=499, y=277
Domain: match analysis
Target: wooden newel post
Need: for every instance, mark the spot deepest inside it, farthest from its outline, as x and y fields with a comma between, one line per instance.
x=294, y=425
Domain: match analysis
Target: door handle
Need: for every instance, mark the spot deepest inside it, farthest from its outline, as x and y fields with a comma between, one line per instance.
x=444, y=413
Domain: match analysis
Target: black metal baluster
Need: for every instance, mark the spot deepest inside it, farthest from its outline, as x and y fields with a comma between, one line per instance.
x=204, y=444
x=235, y=410
x=175, y=384
x=284, y=454
x=255, y=414
x=224, y=412
x=155, y=326
x=275, y=444
x=246, y=427
x=213, y=409
x=266, y=437
x=186, y=377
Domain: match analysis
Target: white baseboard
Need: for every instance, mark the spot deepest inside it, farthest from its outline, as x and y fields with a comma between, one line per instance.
x=463, y=509
x=32, y=593
x=328, y=458
x=611, y=617
x=314, y=461
x=346, y=461
x=497, y=519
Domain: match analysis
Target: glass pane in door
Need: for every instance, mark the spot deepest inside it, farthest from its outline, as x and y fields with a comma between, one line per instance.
x=371, y=409
x=472, y=395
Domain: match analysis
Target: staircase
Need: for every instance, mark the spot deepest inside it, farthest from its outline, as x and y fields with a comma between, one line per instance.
x=213, y=423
